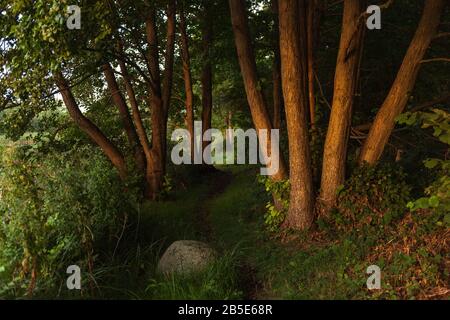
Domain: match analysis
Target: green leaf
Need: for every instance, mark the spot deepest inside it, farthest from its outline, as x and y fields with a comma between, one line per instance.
x=447, y=219
x=340, y=189
x=433, y=201
x=421, y=203
x=431, y=163
x=445, y=138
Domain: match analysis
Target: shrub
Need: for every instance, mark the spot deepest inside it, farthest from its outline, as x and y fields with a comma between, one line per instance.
x=54, y=209
x=372, y=197
x=275, y=215
x=438, y=193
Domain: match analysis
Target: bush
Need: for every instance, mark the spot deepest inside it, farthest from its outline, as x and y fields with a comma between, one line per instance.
x=275, y=215
x=54, y=209
x=414, y=259
x=372, y=198
x=438, y=193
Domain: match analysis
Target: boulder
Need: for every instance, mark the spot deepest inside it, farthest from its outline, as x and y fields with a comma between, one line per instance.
x=186, y=256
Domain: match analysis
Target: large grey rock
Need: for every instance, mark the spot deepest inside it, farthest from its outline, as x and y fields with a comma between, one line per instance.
x=186, y=256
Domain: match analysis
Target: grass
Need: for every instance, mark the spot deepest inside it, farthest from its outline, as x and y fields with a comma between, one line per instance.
x=131, y=274
x=252, y=264
x=218, y=282
x=283, y=271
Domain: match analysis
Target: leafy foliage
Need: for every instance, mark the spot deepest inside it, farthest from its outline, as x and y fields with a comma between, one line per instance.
x=437, y=194
x=54, y=210
x=276, y=213
x=373, y=197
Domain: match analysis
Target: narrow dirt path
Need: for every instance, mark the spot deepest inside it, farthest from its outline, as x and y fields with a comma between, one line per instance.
x=248, y=281
x=219, y=181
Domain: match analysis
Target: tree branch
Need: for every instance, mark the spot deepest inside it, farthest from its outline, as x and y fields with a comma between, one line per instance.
x=435, y=60
x=442, y=35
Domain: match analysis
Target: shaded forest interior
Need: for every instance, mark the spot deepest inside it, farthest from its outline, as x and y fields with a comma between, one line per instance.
x=92, y=93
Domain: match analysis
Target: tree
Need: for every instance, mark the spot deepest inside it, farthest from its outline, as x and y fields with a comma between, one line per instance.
x=110, y=150
x=400, y=91
x=345, y=84
x=314, y=13
x=301, y=205
x=276, y=72
x=136, y=113
x=256, y=101
x=206, y=73
x=187, y=77
x=160, y=94
x=125, y=116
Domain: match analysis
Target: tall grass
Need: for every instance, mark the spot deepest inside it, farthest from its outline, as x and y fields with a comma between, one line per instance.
x=219, y=281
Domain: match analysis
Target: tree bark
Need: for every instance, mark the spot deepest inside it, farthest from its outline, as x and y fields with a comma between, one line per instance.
x=136, y=114
x=257, y=104
x=302, y=34
x=155, y=168
x=153, y=53
x=159, y=98
x=125, y=116
x=345, y=84
x=138, y=122
x=276, y=72
x=206, y=78
x=312, y=32
x=277, y=95
x=168, y=70
x=403, y=85
x=301, y=207
x=88, y=127
x=189, y=100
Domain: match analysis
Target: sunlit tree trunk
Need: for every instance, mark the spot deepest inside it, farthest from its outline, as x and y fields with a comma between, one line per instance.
x=404, y=83
x=257, y=104
x=345, y=84
x=301, y=205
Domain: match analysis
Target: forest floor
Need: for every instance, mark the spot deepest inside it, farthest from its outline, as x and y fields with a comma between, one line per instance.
x=226, y=209
x=227, y=212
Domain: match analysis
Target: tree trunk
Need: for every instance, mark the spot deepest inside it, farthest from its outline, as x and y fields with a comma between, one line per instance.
x=256, y=102
x=276, y=72
x=136, y=114
x=159, y=98
x=154, y=170
x=206, y=78
x=137, y=119
x=312, y=26
x=168, y=72
x=125, y=116
x=301, y=207
x=189, y=101
x=404, y=83
x=277, y=95
x=345, y=84
x=302, y=34
x=108, y=148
